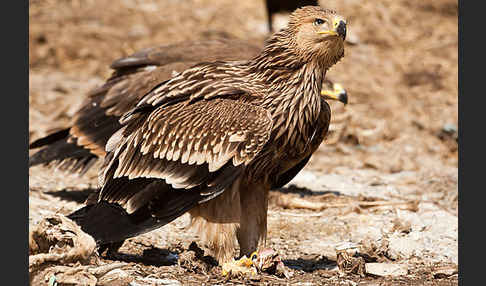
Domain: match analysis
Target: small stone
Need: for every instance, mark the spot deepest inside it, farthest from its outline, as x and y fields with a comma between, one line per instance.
x=157, y=281
x=444, y=272
x=449, y=128
x=347, y=245
x=403, y=247
x=386, y=269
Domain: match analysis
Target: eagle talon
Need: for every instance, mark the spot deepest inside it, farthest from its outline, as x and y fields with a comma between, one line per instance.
x=242, y=266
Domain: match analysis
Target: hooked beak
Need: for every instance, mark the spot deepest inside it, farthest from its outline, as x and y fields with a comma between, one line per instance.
x=338, y=93
x=338, y=29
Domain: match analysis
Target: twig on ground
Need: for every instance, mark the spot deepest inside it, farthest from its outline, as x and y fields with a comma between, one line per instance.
x=299, y=203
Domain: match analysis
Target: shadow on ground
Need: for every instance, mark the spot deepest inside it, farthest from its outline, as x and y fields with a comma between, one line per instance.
x=310, y=265
x=151, y=257
x=78, y=196
x=292, y=189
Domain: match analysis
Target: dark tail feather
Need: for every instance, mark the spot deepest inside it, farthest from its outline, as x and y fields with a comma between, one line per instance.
x=77, y=165
x=159, y=205
x=108, y=223
x=69, y=155
x=154, y=203
x=49, y=139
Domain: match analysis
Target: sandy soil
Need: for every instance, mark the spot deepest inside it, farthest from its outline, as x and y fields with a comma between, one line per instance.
x=396, y=140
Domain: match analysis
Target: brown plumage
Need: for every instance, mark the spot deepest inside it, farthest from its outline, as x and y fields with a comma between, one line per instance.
x=214, y=139
x=77, y=147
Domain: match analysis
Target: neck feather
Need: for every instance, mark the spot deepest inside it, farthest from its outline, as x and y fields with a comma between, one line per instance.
x=279, y=65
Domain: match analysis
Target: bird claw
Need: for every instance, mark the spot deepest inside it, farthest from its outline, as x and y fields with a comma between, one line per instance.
x=242, y=266
x=265, y=260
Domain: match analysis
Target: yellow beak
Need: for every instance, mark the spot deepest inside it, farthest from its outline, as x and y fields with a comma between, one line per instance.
x=338, y=93
x=333, y=33
x=338, y=28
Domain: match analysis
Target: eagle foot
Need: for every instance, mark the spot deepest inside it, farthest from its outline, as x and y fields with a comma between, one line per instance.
x=265, y=260
x=244, y=266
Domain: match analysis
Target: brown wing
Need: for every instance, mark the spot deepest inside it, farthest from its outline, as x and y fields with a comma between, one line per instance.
x=167, y=160
x=137, y=75
x=98, y=119
x=134, y=76
x=174, y=58
x=189, y=146
x=187, y=51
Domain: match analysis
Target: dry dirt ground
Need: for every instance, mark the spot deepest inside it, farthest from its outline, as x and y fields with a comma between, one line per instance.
x=385, y=178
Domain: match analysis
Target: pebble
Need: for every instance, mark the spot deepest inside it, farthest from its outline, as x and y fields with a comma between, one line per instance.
x=386, y=269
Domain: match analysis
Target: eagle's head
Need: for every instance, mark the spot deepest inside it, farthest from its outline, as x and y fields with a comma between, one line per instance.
x=315, y=33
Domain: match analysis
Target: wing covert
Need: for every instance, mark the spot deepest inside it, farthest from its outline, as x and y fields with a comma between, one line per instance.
x=199, y=146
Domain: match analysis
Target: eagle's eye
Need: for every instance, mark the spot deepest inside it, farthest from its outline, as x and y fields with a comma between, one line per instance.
x=319, y=21
x=254, y=256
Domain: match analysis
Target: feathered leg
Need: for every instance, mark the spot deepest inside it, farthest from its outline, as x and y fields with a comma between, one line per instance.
x=217, y=221
x=240, y=212
x=253, y=220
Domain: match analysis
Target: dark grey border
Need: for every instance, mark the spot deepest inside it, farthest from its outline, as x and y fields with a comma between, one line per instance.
x=471, y=149
x=14, y=25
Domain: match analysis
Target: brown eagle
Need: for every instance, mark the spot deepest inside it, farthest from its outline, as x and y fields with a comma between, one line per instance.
x=78, y=147
x=215, y=138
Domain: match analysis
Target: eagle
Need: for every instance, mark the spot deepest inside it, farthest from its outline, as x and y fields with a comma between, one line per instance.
x=213, y=139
